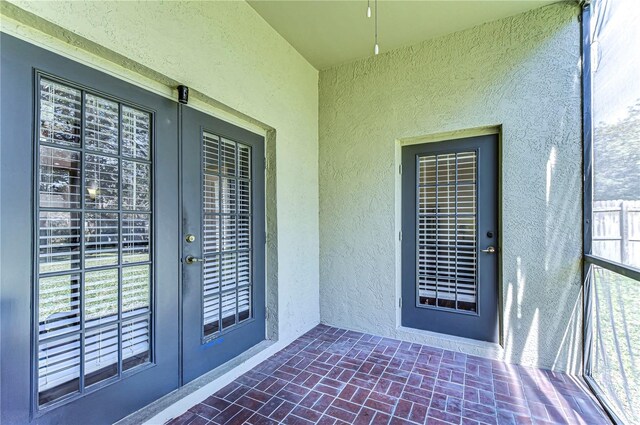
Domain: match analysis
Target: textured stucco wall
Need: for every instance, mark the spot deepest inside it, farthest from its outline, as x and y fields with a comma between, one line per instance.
x=521, y=73
x=229, y=54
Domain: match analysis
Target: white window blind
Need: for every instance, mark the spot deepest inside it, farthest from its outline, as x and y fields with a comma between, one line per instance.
x=94, y=240
x=446, y=239
x=226, y=233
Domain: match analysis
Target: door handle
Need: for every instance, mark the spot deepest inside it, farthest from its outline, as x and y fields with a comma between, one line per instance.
x=190, y=259
x=489, y=250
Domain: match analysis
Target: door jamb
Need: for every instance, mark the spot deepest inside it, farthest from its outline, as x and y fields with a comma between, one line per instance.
x=180, y=253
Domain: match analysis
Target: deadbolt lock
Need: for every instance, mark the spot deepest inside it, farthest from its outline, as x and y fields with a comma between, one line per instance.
x=190, y=238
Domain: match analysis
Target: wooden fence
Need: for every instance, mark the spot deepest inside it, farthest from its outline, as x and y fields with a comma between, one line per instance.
x=616, y=231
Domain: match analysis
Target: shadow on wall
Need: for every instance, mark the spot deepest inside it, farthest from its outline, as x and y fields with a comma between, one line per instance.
x=549, y=313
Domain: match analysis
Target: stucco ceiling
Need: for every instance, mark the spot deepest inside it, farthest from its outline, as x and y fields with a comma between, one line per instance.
x=328, y=32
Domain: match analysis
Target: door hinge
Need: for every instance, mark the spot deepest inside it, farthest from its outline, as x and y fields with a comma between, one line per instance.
x=400, y=302
x=400, y=236
x=400, y=169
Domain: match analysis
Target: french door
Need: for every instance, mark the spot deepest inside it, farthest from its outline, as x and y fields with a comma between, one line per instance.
x=223, y=268
x=89, y=241
x=449, y=237
x=98, y=304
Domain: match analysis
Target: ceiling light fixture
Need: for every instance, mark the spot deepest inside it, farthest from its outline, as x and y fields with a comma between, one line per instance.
x=368, y=8
x=376, y=49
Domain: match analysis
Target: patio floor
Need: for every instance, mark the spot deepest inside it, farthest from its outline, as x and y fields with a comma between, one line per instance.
x=333, y=376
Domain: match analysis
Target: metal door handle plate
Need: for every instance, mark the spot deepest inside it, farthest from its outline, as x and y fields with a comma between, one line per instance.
x=489, y=250
x=190, y=259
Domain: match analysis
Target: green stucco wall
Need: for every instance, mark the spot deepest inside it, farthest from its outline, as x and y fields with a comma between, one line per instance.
x=226, y=52
x=521, y=73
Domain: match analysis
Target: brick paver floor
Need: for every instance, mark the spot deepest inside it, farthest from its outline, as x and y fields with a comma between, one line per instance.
x=333, y=376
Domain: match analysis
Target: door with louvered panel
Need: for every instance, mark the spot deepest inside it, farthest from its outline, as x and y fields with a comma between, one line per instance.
x=89, y=242
x=223, y=271
x=449, y=237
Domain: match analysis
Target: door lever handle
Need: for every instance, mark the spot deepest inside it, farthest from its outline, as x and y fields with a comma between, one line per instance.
x=190, y=259
x=489, y=250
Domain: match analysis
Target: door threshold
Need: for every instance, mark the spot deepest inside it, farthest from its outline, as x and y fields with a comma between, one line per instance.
x=489, y=350
x=181, y=399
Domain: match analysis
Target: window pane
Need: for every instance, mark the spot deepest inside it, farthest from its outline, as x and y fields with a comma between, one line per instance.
x=211, y=233
x=244, y=232
x=229, y=196
x=616, y=130
x=136, y=186
x=60, y=178
x=58, y=368
x=244, y=268
x=59, y=307
x=244, y=303
x=100, y=354
x=211, y=315
x=135, y=237
x=136, y=284
x=101, y=297
x=210, y=153
x=228, y=157
x=211, y=193
x=59, y=241
x=229, y=301
x=136, y=133
x=210, y=294
x=244, y=197
x=229, y=233
x=101, y=125
x=60, y=113
x=135, y=343
x=101, y=182
x=101, y=239
x=228, y=272
x=616, y=347
x=244, y=161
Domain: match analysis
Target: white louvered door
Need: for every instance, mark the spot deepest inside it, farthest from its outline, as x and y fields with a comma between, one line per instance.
x=449, y=245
